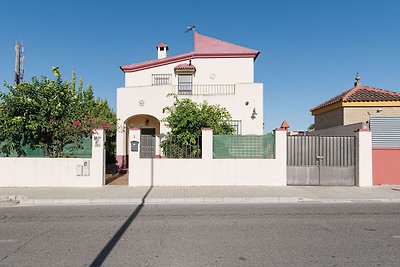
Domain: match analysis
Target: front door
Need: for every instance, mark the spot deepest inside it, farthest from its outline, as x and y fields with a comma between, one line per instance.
x=148, y=143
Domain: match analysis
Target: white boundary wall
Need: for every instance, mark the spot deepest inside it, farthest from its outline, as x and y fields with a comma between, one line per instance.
x=208, y=171
x=55, y=172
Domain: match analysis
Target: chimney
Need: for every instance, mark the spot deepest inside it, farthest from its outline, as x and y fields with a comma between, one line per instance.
x=358, y=80
x=162, y=50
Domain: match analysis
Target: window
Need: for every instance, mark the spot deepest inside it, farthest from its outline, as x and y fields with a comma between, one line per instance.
x=160, y=79
x=185, y=82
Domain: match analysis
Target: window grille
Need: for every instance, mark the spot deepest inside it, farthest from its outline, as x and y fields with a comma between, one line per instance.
x=185, y=82
x=160, y=79
x=237, y=124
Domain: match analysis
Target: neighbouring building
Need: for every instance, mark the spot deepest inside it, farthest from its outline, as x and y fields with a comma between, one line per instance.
x=356, y=105
x=216, y=71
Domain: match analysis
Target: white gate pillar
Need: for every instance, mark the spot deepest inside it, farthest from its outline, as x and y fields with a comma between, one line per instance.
x=280, y=154
x=207, y=143
x=363, y=157
x=98, y=165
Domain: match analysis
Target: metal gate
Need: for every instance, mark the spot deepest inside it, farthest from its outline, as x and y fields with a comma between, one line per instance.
x=148, y=143
x=321, y=160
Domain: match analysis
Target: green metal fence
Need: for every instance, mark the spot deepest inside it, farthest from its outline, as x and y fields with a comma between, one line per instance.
x=85, y=151
x=244, y=146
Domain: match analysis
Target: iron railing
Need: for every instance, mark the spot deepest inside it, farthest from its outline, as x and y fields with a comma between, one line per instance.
x=173, y=147
x=237, y=125
x=204, y=89
x=160, y=79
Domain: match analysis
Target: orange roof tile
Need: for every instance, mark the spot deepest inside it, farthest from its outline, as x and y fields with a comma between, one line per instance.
x=284, y=125
x=361, y=93
x=185, y=66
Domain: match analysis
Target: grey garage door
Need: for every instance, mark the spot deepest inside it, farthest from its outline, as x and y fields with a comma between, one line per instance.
x=320, y=160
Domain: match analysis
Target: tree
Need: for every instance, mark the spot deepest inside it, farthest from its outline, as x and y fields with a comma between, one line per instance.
x=186, y=119
x=49, y=114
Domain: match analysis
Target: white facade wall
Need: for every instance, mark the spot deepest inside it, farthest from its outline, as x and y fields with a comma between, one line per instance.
x=208, y=171
x=226, y=70
x=55, y=172
x=155, y=99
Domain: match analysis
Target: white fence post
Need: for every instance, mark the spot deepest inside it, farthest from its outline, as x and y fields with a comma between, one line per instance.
x=139, y=171
x=363, y=157
x=98, y=164
x=281, y=154
x=207, y=143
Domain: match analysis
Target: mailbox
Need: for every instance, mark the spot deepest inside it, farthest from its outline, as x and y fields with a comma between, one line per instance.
x=134, y=145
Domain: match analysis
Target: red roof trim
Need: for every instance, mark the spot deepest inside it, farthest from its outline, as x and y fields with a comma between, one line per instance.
x=178, y=58
x=156, y=63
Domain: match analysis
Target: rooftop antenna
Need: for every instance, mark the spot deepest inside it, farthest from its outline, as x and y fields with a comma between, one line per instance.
x=19, y=63
x=191, y=28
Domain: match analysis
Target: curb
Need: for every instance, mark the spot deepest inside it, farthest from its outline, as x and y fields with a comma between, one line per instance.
x=129, y=201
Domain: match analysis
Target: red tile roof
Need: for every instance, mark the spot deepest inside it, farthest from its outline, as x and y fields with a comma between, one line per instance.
x=284, y=125
x=361, y=93
x=185, y=66
x=204, y=47
x=162, y=45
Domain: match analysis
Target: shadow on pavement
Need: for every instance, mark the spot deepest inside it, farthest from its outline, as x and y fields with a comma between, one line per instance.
x=101, y=257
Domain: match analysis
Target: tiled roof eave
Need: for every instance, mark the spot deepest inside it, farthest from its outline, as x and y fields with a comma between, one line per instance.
x=178, y=58
x=354, y=103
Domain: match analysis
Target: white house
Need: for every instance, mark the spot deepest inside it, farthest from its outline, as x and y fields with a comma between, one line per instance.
x=216, y=71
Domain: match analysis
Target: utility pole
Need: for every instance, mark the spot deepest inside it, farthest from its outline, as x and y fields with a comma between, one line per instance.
x=19, y=64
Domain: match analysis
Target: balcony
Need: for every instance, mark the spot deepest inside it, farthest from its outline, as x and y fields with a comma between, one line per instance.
x=205, y=89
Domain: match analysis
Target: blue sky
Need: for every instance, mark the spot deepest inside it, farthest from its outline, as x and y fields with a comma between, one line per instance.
x=310, y=49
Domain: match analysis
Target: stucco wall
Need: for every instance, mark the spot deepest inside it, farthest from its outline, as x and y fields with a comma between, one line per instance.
x=226, y=70
x=361, y=114
x=209, y=171
x=386, y=167
x=198, y=172
x=155, y=99
x=46, y=172
x=329, y=119
x=54, y=172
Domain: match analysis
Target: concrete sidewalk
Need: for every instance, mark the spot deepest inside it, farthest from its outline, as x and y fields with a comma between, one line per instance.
x=199, y=195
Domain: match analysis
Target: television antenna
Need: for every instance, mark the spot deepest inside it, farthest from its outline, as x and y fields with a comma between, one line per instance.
x=191, y=28
x=19, y=63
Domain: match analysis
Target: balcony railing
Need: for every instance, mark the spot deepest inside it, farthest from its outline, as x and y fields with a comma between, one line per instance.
x=160, y=79
x=205, y=89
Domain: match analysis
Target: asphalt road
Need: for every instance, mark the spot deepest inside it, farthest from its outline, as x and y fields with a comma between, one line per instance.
x=201, y=235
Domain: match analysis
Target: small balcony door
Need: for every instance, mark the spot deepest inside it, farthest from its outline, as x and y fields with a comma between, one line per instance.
x=185, y=82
